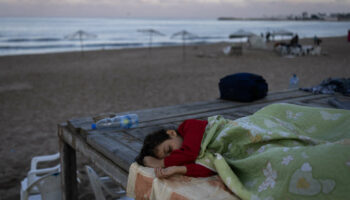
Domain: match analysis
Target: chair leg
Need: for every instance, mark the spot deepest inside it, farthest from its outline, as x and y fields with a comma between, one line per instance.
x=95, y=183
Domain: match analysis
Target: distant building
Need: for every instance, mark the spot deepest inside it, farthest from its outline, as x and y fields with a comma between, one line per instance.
x=344, y=17
x=304, y=16
x=315, y=17
x=331, y=18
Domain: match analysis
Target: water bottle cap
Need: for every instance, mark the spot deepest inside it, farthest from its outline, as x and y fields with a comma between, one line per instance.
x=93, y=126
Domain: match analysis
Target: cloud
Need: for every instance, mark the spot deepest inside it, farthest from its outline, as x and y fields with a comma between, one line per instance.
x=165, y=2
x=167, y=8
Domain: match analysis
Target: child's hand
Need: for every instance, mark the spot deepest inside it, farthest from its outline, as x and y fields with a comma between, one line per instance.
x=165, y=172
x=169, y=171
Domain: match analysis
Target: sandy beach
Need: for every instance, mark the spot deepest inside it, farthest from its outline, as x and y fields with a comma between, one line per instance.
x=39, y=91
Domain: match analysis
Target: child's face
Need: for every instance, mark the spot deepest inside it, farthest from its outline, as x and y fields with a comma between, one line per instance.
x=165, y=148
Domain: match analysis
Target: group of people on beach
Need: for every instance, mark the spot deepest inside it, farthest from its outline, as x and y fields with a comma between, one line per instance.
x=295, y=49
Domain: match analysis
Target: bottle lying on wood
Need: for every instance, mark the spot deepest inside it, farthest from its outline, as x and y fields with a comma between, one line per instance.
x=119, y=122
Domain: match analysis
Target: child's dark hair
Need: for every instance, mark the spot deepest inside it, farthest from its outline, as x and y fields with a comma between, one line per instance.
x=150, y=143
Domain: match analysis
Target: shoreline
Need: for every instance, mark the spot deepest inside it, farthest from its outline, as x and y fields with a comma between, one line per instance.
x=156, y=47
x=282, y=20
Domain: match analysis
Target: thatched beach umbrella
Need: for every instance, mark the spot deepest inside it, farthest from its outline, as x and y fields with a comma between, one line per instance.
x=151, y=33
x=81, y=35
x=185, y=35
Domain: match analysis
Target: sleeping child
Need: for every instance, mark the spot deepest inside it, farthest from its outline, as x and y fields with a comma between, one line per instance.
x=174, y=152
x=282, y=151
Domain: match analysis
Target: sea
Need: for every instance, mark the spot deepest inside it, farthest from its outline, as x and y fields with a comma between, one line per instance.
x=51, y=35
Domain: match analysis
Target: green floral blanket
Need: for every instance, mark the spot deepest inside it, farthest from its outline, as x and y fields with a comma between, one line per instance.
x=283, y=151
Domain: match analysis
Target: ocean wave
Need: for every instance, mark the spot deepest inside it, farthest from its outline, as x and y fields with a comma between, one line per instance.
x=93, y=45
x=209, y=37
x=105, y=45
x=34, y=40
x=18, y=36
x=165, y=44
x=18, y=47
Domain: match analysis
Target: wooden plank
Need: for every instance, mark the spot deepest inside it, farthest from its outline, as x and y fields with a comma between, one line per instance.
x=252, y=109
x=144, y=115
x=106, y=165
x=108, y=145
x=188, y=109
x=341, y=102
x=85, y=122
x=230, y=104
x=119, y=153
x=234, y=116
x=156, y=113
x=122, y=148
x=248, y=108
x=128, y=140
x=141, y=133
x=113, y=151
x=320, y=102
x=137, y=133
x=77, y=125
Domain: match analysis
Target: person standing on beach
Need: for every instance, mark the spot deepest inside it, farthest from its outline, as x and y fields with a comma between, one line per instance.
x=293, y=82
x=295, y=41
x=317, y=41
x=268, y=34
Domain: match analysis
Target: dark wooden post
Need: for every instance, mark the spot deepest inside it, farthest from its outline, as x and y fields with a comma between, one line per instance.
x=68, y=169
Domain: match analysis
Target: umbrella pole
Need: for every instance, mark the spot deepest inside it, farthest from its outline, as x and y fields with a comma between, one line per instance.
x=150, y=44
x=81, y=45
x=183, y=48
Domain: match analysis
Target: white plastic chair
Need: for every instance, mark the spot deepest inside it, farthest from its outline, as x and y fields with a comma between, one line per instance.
x=102, y=185
x=42, y=183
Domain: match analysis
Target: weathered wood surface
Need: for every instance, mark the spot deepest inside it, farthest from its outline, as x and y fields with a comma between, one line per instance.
x=79, y=144
x=120, y=147
x=147, y=116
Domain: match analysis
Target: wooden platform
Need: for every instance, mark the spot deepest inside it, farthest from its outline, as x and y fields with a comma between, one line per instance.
x=113, y=151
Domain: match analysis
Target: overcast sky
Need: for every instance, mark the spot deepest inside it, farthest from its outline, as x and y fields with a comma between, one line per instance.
x=205, y=9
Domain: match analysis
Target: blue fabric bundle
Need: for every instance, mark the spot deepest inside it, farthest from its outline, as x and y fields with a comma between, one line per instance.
x=244, y=87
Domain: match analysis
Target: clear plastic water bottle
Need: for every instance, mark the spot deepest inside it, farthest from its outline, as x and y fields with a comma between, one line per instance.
x=118, y=122
x=293, y=82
